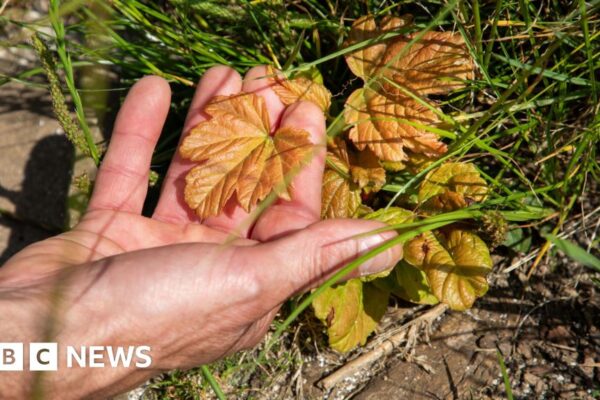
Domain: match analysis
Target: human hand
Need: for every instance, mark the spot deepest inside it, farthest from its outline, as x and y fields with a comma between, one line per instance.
x=180, y=286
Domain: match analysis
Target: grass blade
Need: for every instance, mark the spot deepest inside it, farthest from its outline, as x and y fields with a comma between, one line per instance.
x=575, y=252
x=212, y=382
x=505, y=377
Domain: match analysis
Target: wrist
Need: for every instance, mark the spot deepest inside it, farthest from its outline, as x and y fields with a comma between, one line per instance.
x=20, y=318
x=54, y=310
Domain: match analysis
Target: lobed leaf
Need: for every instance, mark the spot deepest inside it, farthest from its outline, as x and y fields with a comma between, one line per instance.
x=456, y=264
x=408, y=283
x=384, y=115
x=368, y=60
x=340, y=195
x=350, y=311
x=348, y=175
x=437, y=63
x=405, y=280
x=300, y=89
x=390, y=123
x=366, y=171
x=237, y=155
x=340, y=198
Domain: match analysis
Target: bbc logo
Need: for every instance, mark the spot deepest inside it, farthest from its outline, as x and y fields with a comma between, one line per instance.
x=42, y=356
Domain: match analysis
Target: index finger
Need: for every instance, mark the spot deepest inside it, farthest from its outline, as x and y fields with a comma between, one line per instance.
x=122, y=181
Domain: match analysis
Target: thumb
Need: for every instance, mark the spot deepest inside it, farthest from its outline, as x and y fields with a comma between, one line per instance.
x=306, y=258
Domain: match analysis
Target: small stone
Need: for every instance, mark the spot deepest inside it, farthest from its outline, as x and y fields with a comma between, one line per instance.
x=505, y=348
x=588, y=371
x=524, y=350
x=531, y=379
x=567, y=391
x=541, y=386
x=559, y=334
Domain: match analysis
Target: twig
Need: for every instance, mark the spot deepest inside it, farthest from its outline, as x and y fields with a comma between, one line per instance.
x=4, y=4
x=382, y=350
x=592, y=365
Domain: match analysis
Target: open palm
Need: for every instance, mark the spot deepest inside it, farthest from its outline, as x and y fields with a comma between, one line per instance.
x=113, y=223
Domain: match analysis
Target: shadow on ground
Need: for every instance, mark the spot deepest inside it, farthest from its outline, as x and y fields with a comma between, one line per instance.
x=41, y=204
x=550, y=346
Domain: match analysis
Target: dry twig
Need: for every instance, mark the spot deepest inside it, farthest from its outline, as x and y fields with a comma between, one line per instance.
x=383, y=349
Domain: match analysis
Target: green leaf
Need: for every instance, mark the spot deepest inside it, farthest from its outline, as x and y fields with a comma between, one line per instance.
x=408, y=283
x=452, y=186
x=575, y=252
x=404, y=281
x=528, y=213
x=350, y=311
x=456, y=264
x=518, y=240
x=390, y=216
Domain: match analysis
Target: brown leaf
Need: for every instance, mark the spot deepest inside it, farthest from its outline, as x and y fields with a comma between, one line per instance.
x=383, y=115
x=237, y=155
x=445, y=202
x=416, y=163
x=340, y=195
x=437, y=63
x=340, y=198
x=366, y=171
x=452, y=186
x=387, y=124
x=366, y=61
x=348, y=174
x=300, y=88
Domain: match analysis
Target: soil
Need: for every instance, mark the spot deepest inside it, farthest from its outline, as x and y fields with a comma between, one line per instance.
x=549, y=345
x=545, y=329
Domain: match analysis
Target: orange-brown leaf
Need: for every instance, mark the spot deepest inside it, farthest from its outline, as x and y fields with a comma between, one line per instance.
x=338, y=154
x=300, y=89
x=348, y=174
x=366, y=61
x=388, y=124
x=341, y=194
x=383, y=116
x=366, y=171
x=341, y=197
x=437, y=63
x=456, y=264
x=237, y=155
x=452, y=186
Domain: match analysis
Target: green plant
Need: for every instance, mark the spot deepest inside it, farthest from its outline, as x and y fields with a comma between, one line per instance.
x=575, y=252
x=67, y=66
x=505, y=377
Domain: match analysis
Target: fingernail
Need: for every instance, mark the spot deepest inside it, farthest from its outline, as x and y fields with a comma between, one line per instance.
x=383, y=261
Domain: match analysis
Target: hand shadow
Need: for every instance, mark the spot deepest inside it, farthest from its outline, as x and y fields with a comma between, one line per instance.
x=42, y=204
